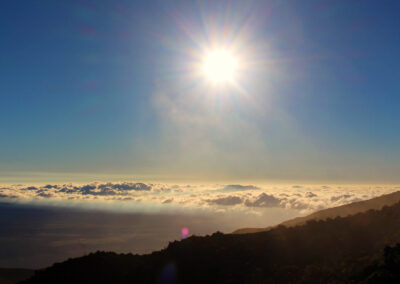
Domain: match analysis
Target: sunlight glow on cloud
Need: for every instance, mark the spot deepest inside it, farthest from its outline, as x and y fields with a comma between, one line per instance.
x=150, y=197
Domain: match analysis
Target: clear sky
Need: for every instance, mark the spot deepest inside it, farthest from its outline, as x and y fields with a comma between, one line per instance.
x=111, y=87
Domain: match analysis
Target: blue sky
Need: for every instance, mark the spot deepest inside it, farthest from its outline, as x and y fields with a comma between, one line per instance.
x=106, y=87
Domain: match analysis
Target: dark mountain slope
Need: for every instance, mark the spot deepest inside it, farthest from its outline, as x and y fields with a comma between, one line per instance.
x=340, y=211
x=14, y=275
x=386, y=272
x=330, y=251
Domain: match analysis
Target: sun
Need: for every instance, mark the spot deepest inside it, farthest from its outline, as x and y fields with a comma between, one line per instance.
x=220, y=66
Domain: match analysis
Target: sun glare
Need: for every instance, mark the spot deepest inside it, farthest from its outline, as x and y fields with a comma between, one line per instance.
x=220, y=66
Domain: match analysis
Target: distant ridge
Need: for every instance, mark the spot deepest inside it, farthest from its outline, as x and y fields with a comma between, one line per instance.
x=376, y=203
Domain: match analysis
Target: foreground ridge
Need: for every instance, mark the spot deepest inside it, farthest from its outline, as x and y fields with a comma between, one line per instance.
x=330, y=251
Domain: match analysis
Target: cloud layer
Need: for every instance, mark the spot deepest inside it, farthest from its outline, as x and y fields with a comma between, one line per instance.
x=218, y=197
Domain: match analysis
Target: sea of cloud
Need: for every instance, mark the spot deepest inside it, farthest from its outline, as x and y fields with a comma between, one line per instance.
x=159, y=197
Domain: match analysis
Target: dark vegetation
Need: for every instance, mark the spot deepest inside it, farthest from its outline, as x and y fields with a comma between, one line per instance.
x=387, y=272
x=353, y=249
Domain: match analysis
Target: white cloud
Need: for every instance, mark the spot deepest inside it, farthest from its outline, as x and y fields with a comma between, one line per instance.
x=156, y=196
x=263, y=200
x=227, y=200
x=238, y=187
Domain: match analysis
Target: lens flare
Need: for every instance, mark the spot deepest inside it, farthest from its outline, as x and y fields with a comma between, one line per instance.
x=184, y=232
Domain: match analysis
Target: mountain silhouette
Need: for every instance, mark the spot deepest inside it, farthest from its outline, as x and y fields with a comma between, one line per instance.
x=339, y=211
x=353, y=249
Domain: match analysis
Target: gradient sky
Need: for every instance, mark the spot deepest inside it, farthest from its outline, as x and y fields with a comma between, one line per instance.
x=108, y=87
